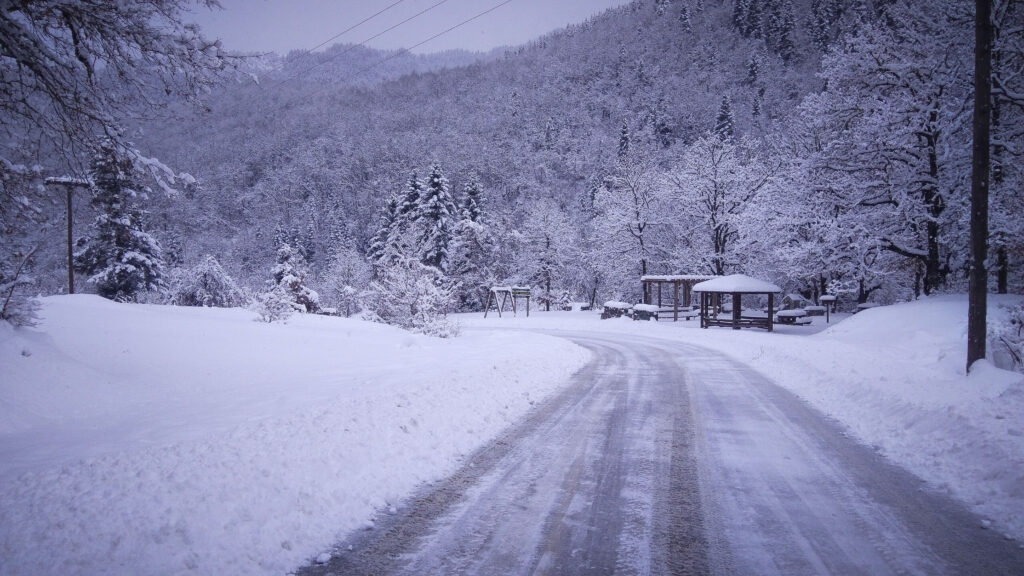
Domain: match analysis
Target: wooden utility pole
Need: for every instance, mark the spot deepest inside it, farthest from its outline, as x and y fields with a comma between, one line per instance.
x=69, y=184
x=980, y=165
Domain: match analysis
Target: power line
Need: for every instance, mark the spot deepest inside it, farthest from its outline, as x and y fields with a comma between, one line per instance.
x=354, y=46
x=353, y=27
x=418, y=44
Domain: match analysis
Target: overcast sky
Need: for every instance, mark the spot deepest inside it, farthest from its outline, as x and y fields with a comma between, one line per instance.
x=285, y=25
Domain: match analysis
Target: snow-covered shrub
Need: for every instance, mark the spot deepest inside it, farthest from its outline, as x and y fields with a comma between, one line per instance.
x=206, y=285
x=413, y=296
x=16, y=306
x=565, y=301
x=1007, y=339
x=274, y=305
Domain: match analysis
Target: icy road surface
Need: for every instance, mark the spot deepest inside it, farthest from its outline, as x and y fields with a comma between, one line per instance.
x=662, y=458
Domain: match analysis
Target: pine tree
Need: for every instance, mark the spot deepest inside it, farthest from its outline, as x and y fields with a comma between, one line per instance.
x=624, y=140
x=472, y=208
x=724, y=122
x=408, y=207
x=290, y=276
x=435, y=220
x=120, y=258
x=786, y=29
x=386, y=225
x=472, y=253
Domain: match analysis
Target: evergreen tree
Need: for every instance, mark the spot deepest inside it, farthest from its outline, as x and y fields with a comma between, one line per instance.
x=408, y=207
x=624, y=140
x=472, y=208
x=386, y=226
x=472, y=253
x=724, y=122
x=435, y=220
x=786, y=29
x=290, y=276
x=120, y=258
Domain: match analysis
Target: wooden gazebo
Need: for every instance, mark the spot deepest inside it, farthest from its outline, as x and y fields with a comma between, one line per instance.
x=736, y=285
x=684, y=281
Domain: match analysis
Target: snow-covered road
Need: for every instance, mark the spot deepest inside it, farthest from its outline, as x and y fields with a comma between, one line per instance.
x=666, y=458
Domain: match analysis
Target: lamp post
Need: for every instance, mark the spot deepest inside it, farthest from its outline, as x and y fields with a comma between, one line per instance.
x=828, y=300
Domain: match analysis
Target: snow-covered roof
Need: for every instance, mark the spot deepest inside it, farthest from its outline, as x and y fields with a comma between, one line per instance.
x=737, y=283
x=68, y=181
x=673, y=278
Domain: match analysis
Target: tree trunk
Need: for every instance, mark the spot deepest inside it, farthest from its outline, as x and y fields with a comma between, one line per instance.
x=978, y=290
x=934, y=275
x=1002, y=270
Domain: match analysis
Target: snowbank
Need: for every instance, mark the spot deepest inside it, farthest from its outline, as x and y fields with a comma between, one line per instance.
x=894, y=376
x=162, y=440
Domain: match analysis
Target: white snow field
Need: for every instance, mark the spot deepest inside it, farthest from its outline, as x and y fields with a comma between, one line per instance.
x=139, y=439
x=160, y=440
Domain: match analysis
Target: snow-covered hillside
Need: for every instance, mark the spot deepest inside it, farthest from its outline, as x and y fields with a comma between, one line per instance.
x=161, y=440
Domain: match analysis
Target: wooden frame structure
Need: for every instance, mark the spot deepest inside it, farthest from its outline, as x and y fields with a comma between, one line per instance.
x=684, y=281
x=736, y=286
x=506, y=292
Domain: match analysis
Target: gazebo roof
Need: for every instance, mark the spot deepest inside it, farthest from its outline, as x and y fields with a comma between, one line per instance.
x=737, y=284
x=675, y=278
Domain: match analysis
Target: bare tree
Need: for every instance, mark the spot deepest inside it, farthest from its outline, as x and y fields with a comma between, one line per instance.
x=73, y=69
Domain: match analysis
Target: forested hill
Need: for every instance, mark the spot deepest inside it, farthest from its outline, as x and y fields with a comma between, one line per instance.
x=822, y=144
x=314, y=153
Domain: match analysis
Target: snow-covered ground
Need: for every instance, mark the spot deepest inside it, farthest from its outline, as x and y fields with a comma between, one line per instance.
x=160, y=440
x=894, y=376
x=152, y=439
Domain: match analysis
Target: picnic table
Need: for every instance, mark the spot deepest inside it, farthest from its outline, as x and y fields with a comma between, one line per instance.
x=796, y=317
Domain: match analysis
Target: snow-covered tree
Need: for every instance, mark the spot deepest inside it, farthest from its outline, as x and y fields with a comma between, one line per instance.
x=273, y=305
x=387, y=223
x=472, y=203
x=889, y=125
x=725, y=124
x=414, y=296
x=630, y=209
x=206, y=285
x=120, y=258
x=289, y=274
x=718, y=184
x=348, y=275
x=15, y=307
x=73, y=69
x=436, y=217
x=472, y=252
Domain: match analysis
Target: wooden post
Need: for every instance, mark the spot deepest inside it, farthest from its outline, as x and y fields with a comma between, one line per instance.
x=771, y=311
x=704, y=309
x=675, y=301
x=488, y=307
x=736, y=305
x=71, y=264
